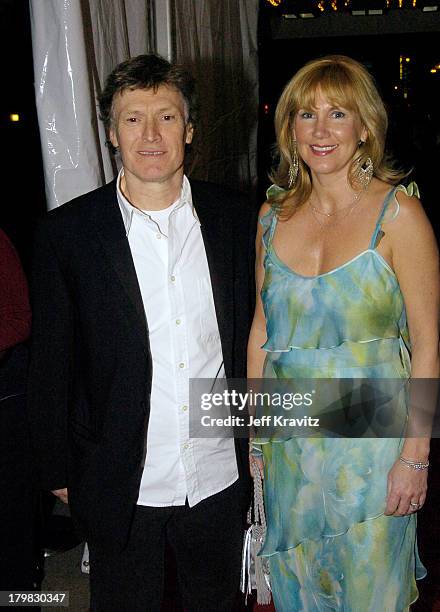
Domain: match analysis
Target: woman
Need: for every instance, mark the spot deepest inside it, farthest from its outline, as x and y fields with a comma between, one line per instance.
x=347, y=273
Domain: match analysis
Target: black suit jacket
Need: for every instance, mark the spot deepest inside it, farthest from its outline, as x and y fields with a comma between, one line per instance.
x=90, y=373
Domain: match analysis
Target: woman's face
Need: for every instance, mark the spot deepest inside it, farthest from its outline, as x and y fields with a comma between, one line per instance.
x=327, y=137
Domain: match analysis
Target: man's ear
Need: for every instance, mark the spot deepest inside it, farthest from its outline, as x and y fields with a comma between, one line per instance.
x=189, y=133
x=113, y=137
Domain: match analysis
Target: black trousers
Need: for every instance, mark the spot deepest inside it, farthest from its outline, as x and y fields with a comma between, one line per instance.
x=206, y=540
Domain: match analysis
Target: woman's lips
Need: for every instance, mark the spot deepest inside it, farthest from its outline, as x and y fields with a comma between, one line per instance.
x=322, y=150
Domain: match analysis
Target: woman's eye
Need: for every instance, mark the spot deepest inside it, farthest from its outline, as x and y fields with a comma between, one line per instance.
x=306, y=115
x=132, y=119
x=168, y=117
x=338, y=114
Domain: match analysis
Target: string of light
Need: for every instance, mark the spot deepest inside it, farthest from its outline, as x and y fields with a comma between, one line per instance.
x=356, y=7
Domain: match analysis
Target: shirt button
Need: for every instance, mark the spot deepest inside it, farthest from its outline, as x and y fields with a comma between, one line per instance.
x=186, y=446
x=178, y=321
x=158, y=236
x=181, y=364
x=173, y=278
x=184, y=408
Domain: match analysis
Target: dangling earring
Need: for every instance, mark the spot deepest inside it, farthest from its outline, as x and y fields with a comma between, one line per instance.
x=364, y=173
x=293, y=167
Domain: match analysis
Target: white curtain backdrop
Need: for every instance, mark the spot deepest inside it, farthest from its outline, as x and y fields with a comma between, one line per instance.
x=76, y=43
x=217, y=41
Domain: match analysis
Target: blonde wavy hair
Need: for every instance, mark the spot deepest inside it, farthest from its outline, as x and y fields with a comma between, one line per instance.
x=344, y=82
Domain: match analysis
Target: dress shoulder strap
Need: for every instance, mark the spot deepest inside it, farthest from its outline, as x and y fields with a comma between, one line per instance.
x=410, y=190
x=388, y=198
x=270, y=219
x=269, y=223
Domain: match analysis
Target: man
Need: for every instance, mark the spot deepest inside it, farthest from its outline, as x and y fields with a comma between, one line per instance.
x=138, y=287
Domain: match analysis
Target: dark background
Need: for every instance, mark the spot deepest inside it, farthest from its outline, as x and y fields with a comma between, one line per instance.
x=22, y=184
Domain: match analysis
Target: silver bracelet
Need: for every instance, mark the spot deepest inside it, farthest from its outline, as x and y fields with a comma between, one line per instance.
x=415, y=465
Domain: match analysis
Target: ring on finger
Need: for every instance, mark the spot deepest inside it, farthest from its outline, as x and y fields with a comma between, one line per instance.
x=414, y=505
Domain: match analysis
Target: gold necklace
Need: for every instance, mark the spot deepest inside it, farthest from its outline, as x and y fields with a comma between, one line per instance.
x=350, y=207
x=357, y=197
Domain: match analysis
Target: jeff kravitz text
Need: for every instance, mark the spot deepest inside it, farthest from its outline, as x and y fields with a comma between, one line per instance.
x=263, y=421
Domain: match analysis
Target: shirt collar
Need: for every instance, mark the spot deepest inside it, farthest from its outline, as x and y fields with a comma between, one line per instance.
x=127, y=209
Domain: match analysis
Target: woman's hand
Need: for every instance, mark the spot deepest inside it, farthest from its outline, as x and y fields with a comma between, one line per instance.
x=406, y=489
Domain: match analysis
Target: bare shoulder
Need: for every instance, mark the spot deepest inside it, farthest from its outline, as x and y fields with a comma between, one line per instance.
x=410, y=233
x=410, y=206
x=411, y=217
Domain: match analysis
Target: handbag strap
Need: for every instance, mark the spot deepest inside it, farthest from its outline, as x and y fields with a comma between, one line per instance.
x=259, y=514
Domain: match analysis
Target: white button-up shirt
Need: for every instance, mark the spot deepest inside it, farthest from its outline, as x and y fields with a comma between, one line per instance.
x=172, y=270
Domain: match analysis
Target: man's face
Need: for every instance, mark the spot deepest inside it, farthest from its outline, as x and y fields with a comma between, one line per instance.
x=150, y=130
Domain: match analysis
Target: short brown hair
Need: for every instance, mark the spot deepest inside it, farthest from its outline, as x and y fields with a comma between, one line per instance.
x=148, y=72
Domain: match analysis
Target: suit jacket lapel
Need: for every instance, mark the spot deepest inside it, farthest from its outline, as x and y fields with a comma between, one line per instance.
x=218, y=241
x=219, y=252
x=111, y=232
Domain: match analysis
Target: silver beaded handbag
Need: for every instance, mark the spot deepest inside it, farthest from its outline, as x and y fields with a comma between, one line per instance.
x=255, y=569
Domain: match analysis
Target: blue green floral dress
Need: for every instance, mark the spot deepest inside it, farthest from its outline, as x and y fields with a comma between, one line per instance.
x=330, y=547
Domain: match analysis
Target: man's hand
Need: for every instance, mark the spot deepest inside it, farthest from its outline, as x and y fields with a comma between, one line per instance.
x=61, y=494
